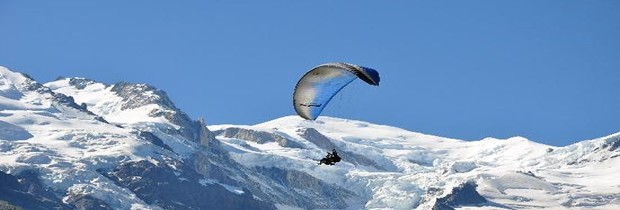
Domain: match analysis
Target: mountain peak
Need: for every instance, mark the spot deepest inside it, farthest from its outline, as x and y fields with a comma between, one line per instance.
x=139, y=94
x=143, y=102
x=13, y=82
x=14, y=77
x=132, y=95
x=22, y=89
x=133, y=104
x=87, y=164
x=81, y=83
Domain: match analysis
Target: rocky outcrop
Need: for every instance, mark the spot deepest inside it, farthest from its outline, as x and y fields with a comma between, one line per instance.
x=174, y=185
x=612, y=143
x=22, y=83
x=597, y=151
x=298, y=188
x=150, y=137
x=317, y=138
x=463, y=195
x=25, y=191
x=325, y=143
x=87, y=202
x=260, y=137
x=79, y=83
x=138, y=95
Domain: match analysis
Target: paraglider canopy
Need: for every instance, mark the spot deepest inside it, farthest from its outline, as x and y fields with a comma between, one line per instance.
x=319, y=85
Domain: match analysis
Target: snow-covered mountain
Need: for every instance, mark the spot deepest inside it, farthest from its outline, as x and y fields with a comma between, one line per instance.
x=75, y=143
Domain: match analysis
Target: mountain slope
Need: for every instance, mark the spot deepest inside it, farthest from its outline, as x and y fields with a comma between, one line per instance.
x=414, y=170
x=79, y=144
x=77, y=155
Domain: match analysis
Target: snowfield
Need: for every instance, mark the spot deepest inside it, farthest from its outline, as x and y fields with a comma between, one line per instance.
x=514, y=172
x=85, y=138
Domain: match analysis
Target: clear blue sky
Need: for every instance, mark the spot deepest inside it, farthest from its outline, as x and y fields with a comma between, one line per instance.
x=545, y=70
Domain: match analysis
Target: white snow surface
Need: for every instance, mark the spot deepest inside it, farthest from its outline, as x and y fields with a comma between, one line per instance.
x=415, y=164
x=411, y=171
x=65, y=145
x=102, y=101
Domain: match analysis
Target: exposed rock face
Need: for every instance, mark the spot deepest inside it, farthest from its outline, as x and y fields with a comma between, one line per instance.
x=87, y=202
x=24, y=83
x=26, y=191
x=260, y=137
x=179, y=187
x=27, y=83
x=7, y=206
x=597, y=152
x=150, y=137
x=205, y=136
x=325, y=143
x=317, y=138
x=219, y=166
x=62, y=159
x=79, y=83
x=305, y=190
x=138, y=95
x=463, y=195
x=612, y=143
x=68, y=101
x=277, y=185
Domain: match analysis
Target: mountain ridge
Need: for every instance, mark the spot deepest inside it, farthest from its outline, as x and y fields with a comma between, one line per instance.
x=86, y=163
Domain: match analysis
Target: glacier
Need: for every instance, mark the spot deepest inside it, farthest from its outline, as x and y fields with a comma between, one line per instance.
x=75, y=143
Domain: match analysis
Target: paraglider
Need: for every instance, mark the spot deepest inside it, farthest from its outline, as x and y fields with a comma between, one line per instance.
x=331, y=158
x=319, y=85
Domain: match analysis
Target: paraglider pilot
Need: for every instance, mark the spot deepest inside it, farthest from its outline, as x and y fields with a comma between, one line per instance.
x=331, y=158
